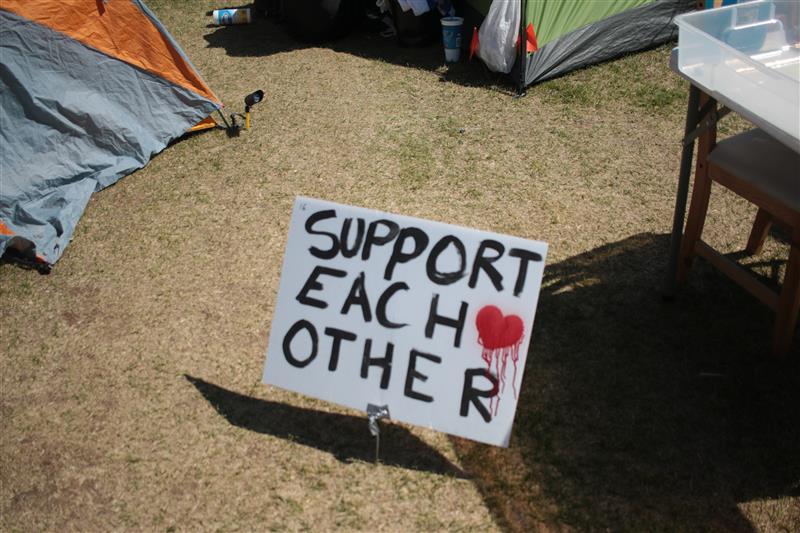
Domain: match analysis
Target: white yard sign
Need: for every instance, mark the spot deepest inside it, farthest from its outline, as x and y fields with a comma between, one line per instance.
x=429, y=319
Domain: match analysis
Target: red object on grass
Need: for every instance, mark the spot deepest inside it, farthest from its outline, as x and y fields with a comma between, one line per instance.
x=474, y=44
x=533, y=44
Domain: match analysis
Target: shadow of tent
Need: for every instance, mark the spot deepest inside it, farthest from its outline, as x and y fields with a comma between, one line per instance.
x=265, y=37
x=642, y=414
x=345, y=437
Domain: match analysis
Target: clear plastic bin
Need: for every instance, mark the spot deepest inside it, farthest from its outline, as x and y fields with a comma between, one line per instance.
x=750, y=54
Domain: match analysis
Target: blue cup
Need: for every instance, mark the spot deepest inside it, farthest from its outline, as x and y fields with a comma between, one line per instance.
x=451, y=37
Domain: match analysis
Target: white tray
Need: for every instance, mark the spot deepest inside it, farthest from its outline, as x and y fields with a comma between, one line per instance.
x=748, y=53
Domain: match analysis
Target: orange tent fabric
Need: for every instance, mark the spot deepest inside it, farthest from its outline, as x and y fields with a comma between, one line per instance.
x=118, y=28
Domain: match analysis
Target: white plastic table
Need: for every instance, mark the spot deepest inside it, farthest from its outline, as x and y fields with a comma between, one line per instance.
x=698, y=120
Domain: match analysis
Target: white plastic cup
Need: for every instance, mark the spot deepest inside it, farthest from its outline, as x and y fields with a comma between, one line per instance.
x=451, y=38
x=224, y=17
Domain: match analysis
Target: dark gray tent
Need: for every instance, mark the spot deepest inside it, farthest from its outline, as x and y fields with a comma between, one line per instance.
x=563, y=35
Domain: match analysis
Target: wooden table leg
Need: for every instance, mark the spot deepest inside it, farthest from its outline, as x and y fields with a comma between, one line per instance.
x=692, y=119
x=789, y=302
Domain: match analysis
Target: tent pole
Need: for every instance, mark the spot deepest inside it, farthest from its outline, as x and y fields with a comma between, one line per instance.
x=523, y=49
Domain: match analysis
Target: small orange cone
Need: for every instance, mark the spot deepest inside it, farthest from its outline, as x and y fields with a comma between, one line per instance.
x=533, y=44
x=474, y=44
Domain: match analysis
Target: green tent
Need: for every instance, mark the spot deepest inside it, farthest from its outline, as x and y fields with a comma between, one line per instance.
x=564, y=35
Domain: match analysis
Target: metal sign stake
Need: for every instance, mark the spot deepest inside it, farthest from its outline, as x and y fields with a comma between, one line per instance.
x=375, y=413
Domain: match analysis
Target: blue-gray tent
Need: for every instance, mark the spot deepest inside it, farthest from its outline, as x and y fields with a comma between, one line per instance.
x=89, y=91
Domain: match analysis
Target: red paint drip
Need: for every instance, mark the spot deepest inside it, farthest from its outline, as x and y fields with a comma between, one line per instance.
x=499, y=357
x=515, y=360
x=500, y=336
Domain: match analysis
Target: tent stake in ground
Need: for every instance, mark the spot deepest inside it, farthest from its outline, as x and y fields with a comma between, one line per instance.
x=234, y=127
x=249, y=101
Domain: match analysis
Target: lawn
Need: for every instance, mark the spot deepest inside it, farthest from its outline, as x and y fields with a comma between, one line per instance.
x=130, y=394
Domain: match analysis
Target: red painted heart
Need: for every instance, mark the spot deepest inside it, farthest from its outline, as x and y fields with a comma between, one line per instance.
x=496, y=330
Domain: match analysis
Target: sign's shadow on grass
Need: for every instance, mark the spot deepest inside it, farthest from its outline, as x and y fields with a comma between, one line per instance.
x=641, y=414
x=265, y=37
x=345, y=437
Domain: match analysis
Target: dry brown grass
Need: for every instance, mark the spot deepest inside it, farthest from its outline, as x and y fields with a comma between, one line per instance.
x=130, y=394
